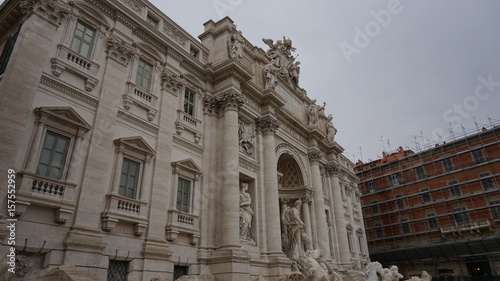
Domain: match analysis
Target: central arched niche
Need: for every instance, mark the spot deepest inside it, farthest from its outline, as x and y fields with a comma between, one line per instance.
x=289, y=171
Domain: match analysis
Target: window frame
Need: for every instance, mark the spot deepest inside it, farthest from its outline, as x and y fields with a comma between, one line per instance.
x=487, y=181
x=91, y=44
x=400, y=203
x=68, y=148
x=455, y=189
x=478, y=155
x=138, y=177
x=405, y=226
x=140, y=77
x=370, y=186
x=448, y=165
x=182, y=205
x=425, y=195
x=188, y=104
x=64, y=121
x=420, y=172
x=152, y=21
x=495, y=210
x=189, y=171
x=432, y=222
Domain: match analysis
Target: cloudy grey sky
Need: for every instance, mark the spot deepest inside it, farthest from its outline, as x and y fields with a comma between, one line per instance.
x=400, y=71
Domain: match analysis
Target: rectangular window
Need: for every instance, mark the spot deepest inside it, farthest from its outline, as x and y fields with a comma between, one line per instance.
x=151, y=21
x=425, y=195
x=83, y=39
x=432, y=221
x=448, y=164
x=420, y=171
x=478, y=155
x=189, y=98
x=400, y=201
x=487, y=181
x=129, y=178
x=183, y=195
x=193, y=52
x=370, y=186
x=460, y=216
x=495, y=209
x=7, y=51
x=405, y=225
x=144, y=74
x=53, y=155
x=454, y=188
x=375, y=209
x=361, y=247
x=179, y=271
x=117, y=270
x=394, y=179
x=379, y=231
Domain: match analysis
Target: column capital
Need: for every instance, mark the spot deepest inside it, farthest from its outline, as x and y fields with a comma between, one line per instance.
x=230, y=99
x=268, y=125
x=315, y=155
x=333, y=169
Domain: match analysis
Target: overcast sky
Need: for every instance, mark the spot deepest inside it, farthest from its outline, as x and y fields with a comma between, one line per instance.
x=400, y=71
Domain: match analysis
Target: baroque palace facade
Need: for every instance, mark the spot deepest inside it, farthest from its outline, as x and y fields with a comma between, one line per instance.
x=438, y=209
x=143, y=153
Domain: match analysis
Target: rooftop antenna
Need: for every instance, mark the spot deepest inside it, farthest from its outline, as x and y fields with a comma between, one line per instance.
x=389, y=144
x=361, y=153
x=451, y=131
x=382, y=140
x=439, y=137
x=474, y=118
x=416, y=143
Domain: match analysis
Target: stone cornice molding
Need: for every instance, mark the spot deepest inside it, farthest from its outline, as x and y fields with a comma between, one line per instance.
x=315, y=155
x=119, y=50
x=51, y=10
x=268, y=125
x=172, y=82
x=230, y=100
x=231, y=68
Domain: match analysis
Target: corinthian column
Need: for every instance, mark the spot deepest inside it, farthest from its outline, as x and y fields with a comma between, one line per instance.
x=333, y=171
x=229, y=103
x=268, y=126
x=319, y=203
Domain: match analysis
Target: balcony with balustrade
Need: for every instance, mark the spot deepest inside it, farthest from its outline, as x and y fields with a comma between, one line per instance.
x=33, y=189
x=136, y=96
x=67, y=60
x=182, y=223
x=123, y=209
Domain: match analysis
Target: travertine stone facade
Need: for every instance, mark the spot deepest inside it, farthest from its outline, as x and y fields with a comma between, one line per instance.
x=130, y=140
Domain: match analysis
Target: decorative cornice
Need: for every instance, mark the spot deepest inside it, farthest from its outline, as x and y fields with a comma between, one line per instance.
x=267, y=125
x=171, y=81
x=138, y=122
x=54, y=84
x=51, y=10
x=119, y=50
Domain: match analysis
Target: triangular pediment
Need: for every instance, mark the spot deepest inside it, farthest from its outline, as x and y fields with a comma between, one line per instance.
x=188, y=164
x=64, y=114
x=137, y=143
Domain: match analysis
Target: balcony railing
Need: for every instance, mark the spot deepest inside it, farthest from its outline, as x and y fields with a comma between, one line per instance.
x=141, y=98
x=77, y=64
x=180, y=222
x=463, y=227
x=119, y=208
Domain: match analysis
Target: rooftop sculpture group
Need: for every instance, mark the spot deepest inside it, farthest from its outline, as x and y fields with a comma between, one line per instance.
x=281, y=63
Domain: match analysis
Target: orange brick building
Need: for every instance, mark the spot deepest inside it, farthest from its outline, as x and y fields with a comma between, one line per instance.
x=436, y=210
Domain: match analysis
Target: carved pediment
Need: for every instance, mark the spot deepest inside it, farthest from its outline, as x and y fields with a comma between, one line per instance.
x=187, y=164
x=136, y=143
x=90, y=14
x=63, y=114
